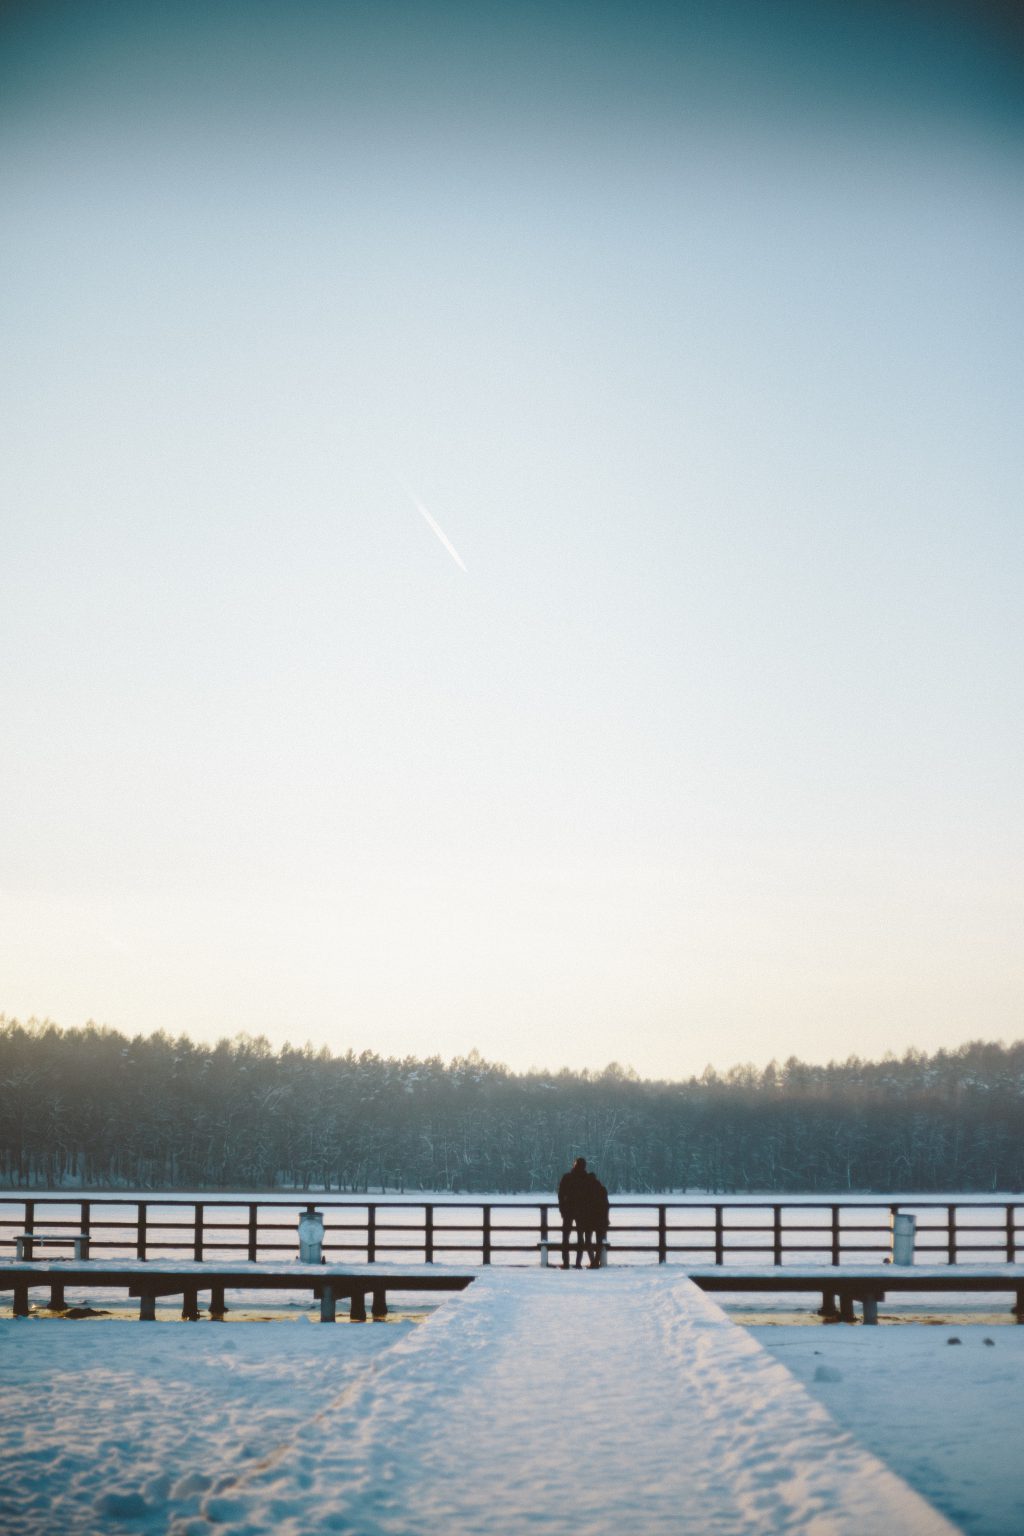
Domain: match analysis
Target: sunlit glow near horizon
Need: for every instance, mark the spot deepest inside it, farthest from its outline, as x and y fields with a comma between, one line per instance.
x=699, y=329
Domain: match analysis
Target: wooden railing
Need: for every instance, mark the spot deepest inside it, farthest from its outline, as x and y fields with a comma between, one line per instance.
x=693, y=1232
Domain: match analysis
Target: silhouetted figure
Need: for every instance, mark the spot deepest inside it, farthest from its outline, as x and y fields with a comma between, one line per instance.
x=594, y=1218
x=573, y=1188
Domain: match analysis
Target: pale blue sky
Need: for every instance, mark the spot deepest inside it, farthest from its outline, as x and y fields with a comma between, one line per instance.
x=699, y=332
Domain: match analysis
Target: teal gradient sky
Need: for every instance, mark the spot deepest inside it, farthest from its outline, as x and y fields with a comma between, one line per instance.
x=699, y=332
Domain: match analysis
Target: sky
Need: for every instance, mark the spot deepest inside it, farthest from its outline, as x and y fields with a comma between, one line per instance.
x=696, y=331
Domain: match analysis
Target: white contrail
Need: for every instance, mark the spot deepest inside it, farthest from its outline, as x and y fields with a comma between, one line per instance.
x=445, y=540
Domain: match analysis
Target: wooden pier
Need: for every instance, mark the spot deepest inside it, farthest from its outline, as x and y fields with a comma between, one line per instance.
x=329, y=1284
x=841, y=1287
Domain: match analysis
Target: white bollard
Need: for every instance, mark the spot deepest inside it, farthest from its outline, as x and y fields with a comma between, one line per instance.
x=311, y=1236
x=904, y=1228
x=544, y=1255
x=604, y=1254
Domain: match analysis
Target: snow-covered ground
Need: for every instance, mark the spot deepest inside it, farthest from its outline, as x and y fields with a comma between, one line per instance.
x=945, y=1416
x=126, y=1426
x=536, y=1401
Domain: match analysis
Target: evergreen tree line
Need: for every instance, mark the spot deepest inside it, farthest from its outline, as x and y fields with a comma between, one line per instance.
x=92, y=1108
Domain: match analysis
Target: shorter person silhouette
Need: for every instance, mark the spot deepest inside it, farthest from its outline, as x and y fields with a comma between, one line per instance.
x=595, y=1215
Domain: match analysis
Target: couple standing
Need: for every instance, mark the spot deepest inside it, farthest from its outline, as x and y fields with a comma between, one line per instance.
x=583, y=1202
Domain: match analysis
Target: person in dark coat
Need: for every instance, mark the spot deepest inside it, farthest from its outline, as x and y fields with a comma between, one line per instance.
x=595, y=1215
x=573, y=1188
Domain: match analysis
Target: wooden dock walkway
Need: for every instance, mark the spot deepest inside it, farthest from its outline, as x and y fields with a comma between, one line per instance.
x=561, y=1403
x=148, y=1281
x=840, y=1286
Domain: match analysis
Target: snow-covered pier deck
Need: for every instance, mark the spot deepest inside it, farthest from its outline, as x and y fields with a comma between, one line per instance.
x=148, y=1281
x=841, y=1285
x=601, y=1402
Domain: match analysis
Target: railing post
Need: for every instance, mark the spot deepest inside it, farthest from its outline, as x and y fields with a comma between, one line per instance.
x=30, y=1220
x=719, y=1237
x=140, y=1232
x=86, y=1228
x=487, y=1235
x=836, y=1239
x=254, y=1217
x=371, y=1234
x=662, y=1235
x=428, y=1234
x=777, y=1233
x=543, y=1223
x=952, y=1233
x=1011, y=1236
x=197, y=1242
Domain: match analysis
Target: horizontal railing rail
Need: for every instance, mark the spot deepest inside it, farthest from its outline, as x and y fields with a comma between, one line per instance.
x=653, y=1231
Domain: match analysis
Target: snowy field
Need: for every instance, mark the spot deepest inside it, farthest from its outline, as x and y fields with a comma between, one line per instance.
x=536, y=1401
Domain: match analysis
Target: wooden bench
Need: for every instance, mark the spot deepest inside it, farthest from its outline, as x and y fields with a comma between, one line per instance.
x=25, y=1241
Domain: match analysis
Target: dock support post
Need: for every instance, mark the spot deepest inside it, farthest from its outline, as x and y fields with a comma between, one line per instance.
x=1018, y=1306
x=380, y=1302
x=56, y=1295
x=147, y=1307
x=327, y=1303
x=828, y=1306
x=190, y=1305
x=218, y=1306
x=870, y=1307
x=846, y=1307
x=357, y=1307
x=21, y=1298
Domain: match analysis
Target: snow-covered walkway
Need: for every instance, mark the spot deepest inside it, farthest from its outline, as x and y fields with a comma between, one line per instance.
x=590, y=1403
